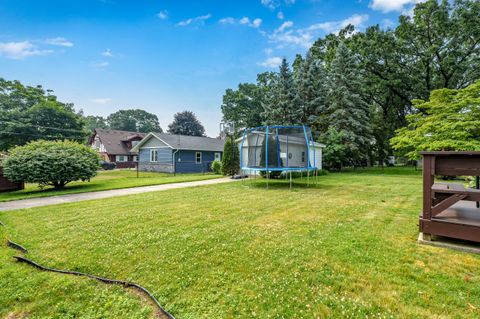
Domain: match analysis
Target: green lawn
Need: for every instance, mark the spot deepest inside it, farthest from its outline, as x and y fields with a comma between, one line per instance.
x=343, y=249
x=106, y=180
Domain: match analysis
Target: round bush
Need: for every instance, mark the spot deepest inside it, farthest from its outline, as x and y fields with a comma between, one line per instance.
x=51, y=163
x=216, y=167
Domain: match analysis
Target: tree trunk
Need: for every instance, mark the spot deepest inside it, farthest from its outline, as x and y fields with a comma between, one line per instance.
x=59, y=184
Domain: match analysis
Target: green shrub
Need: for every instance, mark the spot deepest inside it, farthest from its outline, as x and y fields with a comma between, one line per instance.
x=216, y=167
x=54, y=163
x=322, y=172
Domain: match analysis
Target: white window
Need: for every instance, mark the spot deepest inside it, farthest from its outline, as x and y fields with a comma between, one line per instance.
x=121, y=158
x=198, y=158
x=135, y=158
x=303, y=157
x=217, y=156
x=153, y=155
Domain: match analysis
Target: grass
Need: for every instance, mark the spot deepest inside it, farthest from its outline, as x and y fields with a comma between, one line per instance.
x=343, y=249
x=26, y=292
x=106, y=180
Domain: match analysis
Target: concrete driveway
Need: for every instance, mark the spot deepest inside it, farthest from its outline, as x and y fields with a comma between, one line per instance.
x=70, y=198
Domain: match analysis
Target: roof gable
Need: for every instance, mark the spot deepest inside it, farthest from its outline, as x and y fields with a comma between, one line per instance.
x=115, y=140
x=185, y=142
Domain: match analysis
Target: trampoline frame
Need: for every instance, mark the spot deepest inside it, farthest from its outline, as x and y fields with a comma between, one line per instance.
x=266, y=131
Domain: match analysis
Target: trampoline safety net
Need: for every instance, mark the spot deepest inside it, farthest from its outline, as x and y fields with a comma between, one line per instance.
x=278, y=148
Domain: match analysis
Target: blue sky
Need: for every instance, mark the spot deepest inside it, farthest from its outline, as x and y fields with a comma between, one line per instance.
x=166, y=56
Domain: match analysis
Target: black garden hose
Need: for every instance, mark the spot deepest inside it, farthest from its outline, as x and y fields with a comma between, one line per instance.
x=125, y=284
x=16, y=246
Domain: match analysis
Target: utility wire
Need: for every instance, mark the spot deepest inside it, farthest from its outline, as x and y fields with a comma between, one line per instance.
x=45, y=127
x=32, y=134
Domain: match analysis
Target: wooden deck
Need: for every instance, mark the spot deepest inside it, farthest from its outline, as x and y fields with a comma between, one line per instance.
x=462, y=213
x=450, y=210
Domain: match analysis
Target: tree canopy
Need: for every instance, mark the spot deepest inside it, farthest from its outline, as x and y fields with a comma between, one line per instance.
x=435, y=48
x=135, y=120
x=31, y=113
x=449, y=121
x=186, y=123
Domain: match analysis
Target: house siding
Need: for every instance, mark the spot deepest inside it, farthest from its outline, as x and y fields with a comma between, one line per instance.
x=185, y=161
x=164, y=163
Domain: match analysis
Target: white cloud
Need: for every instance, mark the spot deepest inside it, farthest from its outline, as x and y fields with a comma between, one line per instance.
x=228, y=20
x=287, y=35
x=199, y=19
x=387, y=23
x=244, y=20
x=392, y=5
x=107, y=53
x=59, y=41
x=101, y=100
x=21, y=50
x=272, y=62
x=285, y=25
x=163, y=15
x=273, y=4
x=356, y=20
x=100, y=64
x=409, y=12
x=280, y=15
x=255, y=23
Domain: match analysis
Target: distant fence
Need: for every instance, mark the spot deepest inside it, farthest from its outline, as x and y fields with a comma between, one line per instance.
x=8, y=186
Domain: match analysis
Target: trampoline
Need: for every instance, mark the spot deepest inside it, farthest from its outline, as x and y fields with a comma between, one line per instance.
x=276, y=150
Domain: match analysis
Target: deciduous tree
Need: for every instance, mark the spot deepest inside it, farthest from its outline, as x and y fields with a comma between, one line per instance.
x=186, y=123
x=135, y=120
x=449, y=121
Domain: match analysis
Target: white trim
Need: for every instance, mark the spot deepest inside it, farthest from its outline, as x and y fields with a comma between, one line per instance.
x=153, y=151
x=219, y=156
x=136, y=148
x=117, y=158
x=149, y=147
x=196, y=162
x=163, y=141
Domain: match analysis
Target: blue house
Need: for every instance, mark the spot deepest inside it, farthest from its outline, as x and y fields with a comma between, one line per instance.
x=160, y=152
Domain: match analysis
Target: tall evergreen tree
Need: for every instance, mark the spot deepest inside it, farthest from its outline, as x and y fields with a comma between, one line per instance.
x=311, y=89
x=230, y=158
x=346, y=111
x=284, y=104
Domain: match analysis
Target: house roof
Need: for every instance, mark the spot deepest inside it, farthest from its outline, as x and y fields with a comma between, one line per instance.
x=185, y=142
x=114, y=140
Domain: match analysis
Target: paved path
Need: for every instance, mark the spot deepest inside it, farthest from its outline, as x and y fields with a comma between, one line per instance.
x=69, y=198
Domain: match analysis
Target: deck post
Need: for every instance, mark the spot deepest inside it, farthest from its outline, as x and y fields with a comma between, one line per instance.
x=427, y=186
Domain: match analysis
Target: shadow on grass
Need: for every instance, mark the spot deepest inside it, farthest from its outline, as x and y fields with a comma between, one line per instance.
x=297, y=184
x=400, y=170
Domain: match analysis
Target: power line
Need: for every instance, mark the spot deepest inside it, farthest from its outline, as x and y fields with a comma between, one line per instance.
x=32, y=134
x=45, y=127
